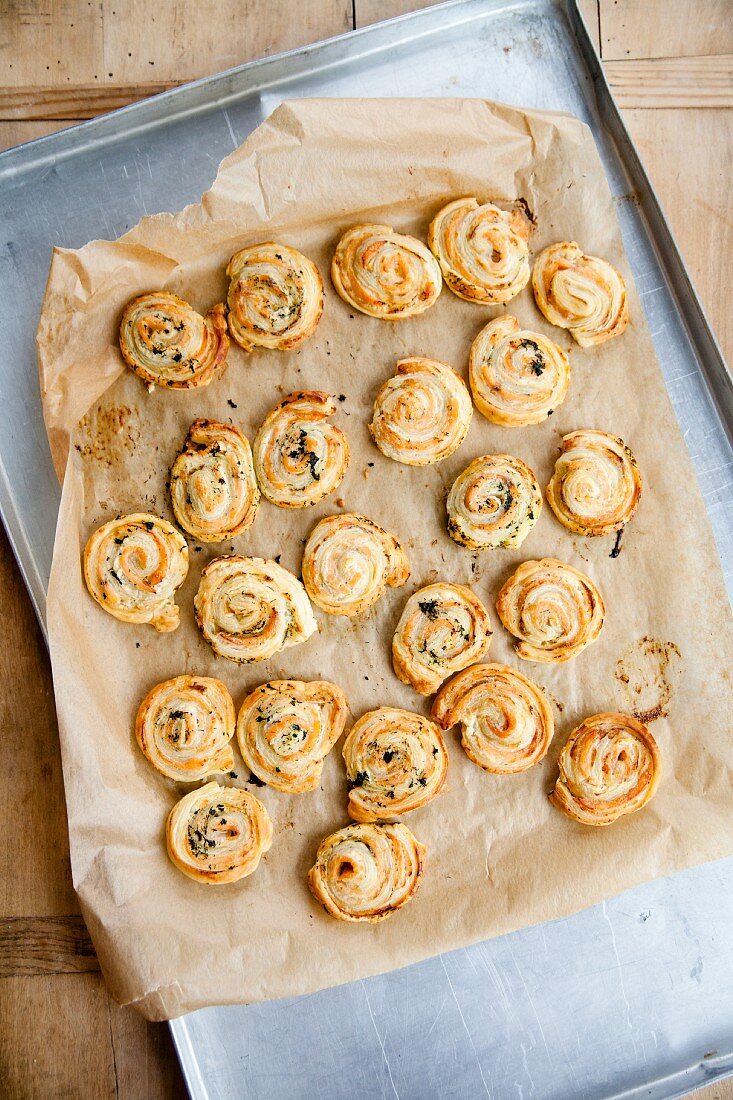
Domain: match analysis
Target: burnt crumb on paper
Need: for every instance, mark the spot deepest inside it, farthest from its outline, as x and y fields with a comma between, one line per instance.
x=648, y=674
x=617, y=544
x=108, y=435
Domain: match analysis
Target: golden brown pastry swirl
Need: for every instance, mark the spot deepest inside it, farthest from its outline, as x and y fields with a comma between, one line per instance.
x=581, y=293
x=422, y=414
x=443, y=628
x=517, y=376
x=167, y=343
x=385, y=274
x=596, y=486
x=367, y=872
x=348, y=561
x=213, y=488
x=275, y=297
x=554, y=610
x=482, y=250
x=286, y=728
x=248, y=609
x=609, y=766
x=218, y=834
x=396, y=760
x=299, y=457
x=184, y=727
x=506, y=721
x=133, y=566
x=495, y=502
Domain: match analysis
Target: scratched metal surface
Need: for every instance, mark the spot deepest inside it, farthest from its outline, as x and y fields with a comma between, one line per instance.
x=629, y=999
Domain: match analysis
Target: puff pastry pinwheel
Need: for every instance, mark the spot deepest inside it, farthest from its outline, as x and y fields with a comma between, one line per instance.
x=299, y=457
x=348, y=561
x=482, y=250
x=422, y=414
x=286, y=728
x=213, y=488
x=554, y=610
x=443, y=628
x=248, y=609
x=218, y=834
x=494, y=503
x=581, y=293
x=385, y=274
x=167, y=343
x=517, y=376
x=396, y=761
x=609, y=766
x=275, y=297
x=506, y=721
x=367, y=872
x=184, y=727
x=596, y=486
x=133, y=566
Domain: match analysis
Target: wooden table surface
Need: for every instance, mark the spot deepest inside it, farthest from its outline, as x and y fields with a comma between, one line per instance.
x=671, y=66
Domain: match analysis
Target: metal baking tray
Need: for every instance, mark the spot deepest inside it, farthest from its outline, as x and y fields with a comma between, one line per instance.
x=628, y=999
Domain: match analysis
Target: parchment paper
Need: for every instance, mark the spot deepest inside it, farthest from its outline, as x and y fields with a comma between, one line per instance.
x=499, y=856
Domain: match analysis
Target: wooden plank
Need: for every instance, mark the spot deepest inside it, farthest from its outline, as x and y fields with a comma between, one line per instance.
x=34, y=946
x=688, y=154
x=672, y=81
x=55, y=1039
x=367, y=12
x=35, y=878
x=145, y=1061
x=73, y=101
x=665, y=28
x=50, y=41
x=15, y=133
x=181, y=40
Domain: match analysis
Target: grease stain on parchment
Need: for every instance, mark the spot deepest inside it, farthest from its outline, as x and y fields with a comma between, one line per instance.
x=648, y=674
x=108, y=435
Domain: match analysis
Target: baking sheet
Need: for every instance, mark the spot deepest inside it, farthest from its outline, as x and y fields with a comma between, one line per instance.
x=545, y=83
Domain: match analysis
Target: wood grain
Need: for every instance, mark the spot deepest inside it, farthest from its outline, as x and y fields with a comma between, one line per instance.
x=666, y=82
x=34, y=946
x=665, y=28
x=687, y=154
x=55, y=1039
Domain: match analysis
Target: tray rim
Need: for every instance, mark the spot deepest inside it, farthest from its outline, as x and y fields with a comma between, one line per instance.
x=705, y=346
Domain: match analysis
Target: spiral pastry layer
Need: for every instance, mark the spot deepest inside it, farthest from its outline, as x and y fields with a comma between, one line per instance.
x=167, y=343
x=213, y=489
x=443, y=629
x=385, y=274
x=609, y=766
x=218, y=834
x=495, y=502
x=482, y=250
x=396, y=761
x=554, y=610
x=275, y=297
x=506, y=721
x=517, y=376
x=596, y=486
x=581, y=293
x=133, y=566
x=248, y=609
x=184, y=727
x=348, y=561
x=367, y=872
x=286, y=728
x=299, y=457
x=421, y=415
